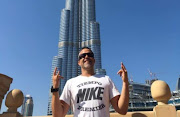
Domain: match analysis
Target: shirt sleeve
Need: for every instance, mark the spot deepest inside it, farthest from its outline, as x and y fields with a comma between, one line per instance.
x=66, y=94
x=112, y=89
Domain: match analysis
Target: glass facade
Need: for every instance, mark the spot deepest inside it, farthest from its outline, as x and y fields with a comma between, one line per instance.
x=27, y=106
x=78, y=28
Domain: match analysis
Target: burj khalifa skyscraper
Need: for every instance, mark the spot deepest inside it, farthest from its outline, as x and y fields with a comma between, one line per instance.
x=78, y=28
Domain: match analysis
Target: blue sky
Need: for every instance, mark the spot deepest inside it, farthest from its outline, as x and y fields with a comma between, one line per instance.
x=144, y=34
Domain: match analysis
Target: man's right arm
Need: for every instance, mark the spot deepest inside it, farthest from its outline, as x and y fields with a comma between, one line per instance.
x=59, y=107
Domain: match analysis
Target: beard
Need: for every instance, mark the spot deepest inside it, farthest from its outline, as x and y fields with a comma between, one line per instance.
x=87, y=65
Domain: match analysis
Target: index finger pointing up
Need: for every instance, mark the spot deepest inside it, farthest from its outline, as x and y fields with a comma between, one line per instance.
x=123, y=67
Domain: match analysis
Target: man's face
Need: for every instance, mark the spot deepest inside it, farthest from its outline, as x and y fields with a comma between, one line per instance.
x=86, y=61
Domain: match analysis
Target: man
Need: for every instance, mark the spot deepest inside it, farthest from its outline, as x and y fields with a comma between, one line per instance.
x=89, y=94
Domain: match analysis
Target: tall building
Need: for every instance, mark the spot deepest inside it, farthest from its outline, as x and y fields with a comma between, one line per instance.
x=27, y=106
x=78, y=28
x=178, y=84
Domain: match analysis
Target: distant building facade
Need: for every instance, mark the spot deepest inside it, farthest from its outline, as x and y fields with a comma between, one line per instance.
x=78, y=29
x=178, y=84
x=27, y=106
x=140, y=98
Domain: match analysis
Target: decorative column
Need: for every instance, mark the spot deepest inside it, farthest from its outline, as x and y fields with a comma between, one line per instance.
x=160, y=91
x=14, y=100
x=5, y=82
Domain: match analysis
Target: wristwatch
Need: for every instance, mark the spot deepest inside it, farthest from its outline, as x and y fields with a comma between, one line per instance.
x=54, y=89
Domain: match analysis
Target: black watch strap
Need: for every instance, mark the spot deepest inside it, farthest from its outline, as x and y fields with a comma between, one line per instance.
x=54, y=89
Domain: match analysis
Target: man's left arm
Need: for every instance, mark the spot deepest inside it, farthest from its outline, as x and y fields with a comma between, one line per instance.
x=120, y=103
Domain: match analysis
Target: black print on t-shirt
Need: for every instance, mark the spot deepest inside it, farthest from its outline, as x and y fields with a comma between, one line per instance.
x=91, y=108
x=85, y=94
x=89, y=82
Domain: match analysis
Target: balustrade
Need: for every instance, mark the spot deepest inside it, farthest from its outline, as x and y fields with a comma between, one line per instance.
x=160, y=92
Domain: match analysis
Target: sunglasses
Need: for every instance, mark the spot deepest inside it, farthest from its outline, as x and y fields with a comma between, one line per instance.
x=84, y=55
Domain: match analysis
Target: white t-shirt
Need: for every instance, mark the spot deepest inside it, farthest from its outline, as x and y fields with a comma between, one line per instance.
x=89, y=96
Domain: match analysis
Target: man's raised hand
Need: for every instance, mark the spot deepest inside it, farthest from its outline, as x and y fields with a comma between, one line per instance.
x=123, y=73
x=56, y=78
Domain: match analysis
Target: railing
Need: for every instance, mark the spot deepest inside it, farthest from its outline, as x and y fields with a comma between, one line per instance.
x=159, y=90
